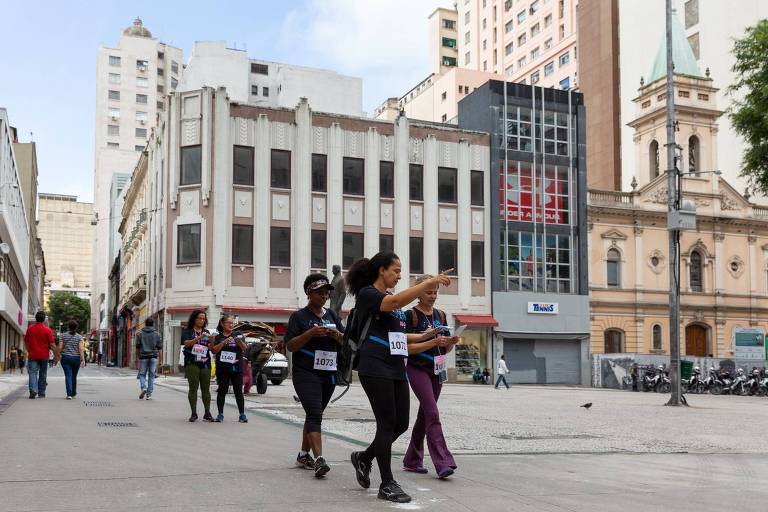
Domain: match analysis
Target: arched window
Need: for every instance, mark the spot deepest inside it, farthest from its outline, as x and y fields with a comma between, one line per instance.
x=657, y=337
x=613, y=269
x=694, y=272
x=614, y=341
x=653, y=159
x=694, y=164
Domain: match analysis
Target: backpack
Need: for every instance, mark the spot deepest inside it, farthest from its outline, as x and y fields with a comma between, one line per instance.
x=348, y=356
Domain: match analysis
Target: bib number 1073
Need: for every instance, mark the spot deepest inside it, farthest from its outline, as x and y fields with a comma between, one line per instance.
x=325, y=360
x=398, y=344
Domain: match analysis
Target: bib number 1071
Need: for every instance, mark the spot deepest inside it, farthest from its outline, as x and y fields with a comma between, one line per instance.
x=398, y=344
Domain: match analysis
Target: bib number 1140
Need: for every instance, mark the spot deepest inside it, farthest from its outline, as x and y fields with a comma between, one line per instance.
x=398, y=344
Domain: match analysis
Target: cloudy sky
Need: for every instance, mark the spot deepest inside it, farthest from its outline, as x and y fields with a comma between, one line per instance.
x=48, y=57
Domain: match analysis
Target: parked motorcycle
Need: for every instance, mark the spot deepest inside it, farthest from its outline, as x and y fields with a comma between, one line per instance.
x=738, y=387
x=753, y=382
x=695, y=384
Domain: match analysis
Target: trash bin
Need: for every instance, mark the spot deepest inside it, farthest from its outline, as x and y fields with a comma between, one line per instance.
x=686, y=369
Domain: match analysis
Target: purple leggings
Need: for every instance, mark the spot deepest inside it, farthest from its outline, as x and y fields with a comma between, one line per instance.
x=427, y=387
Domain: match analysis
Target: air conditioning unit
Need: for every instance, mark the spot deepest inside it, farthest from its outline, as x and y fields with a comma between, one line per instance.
x=143, y=121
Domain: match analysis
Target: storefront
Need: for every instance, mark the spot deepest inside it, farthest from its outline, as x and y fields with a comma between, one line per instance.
x=474, y=353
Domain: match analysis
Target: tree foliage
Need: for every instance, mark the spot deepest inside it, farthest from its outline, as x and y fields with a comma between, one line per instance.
x=65, y=306
x=749, y=111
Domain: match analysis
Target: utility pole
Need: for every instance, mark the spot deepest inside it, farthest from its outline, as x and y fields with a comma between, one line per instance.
x=672, y=208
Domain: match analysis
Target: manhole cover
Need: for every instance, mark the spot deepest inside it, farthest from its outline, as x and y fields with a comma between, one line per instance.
x=536, y=438
x=97, y=403
x=362, y=420
x=117, y=424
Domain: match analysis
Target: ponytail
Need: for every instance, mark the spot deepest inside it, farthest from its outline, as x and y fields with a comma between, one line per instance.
x=364, y=271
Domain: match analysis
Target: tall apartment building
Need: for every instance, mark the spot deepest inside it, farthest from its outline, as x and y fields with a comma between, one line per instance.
x=131, y=82
x=270, y=84
x=66, y=230
x=443, y=43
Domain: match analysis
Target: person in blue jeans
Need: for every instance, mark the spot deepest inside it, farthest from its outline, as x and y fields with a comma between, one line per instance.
x=149, y=343
x=72, y=350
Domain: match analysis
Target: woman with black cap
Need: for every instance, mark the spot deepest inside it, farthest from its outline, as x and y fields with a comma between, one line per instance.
x=314, y=335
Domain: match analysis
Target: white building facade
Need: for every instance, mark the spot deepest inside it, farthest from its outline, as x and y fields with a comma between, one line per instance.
x=257, y=198
x=131, y=83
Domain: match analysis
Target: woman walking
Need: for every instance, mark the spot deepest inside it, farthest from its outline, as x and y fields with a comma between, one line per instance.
x=426, y=373
x=229, y=348
x=197, y=362
x=381, y=366
x=314, y=334
x=22, y=360
x=72, y=350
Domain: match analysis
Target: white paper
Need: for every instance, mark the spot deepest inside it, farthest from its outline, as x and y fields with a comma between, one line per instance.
x=398, y=344
x=325, y=360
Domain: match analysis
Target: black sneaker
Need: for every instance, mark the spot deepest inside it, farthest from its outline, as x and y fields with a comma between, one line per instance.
x=362, y=470
x=193, y=418
x=391, y=491
x=32, y=395
x=305, y=461
x=321, y=467
x=207, y=416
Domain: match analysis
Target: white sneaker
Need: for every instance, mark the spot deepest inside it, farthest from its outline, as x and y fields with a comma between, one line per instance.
x=69, y=398
x=149, y=397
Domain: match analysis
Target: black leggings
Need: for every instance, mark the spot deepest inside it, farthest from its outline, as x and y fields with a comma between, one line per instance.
x=314, y=392
x=389, y=401
x=224, y=377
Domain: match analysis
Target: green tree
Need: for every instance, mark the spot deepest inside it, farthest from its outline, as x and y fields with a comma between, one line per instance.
x=749, y=111
x=65, y=306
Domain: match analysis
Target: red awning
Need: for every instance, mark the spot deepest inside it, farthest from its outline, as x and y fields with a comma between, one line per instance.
x=477, y=320
x=263, y=309
x=184, y=309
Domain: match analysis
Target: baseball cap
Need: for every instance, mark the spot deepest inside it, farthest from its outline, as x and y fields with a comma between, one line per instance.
x=316, y=284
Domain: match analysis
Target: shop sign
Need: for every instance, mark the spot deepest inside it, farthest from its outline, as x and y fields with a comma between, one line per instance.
x=749, y=344
x=543, y=308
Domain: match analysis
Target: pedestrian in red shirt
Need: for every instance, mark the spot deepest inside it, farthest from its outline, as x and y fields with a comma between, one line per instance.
x=39, y=340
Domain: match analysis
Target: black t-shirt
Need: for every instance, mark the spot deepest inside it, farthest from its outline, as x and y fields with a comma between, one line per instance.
x=300, y=322
x=421, y=324
x=189, y=357
x=230, y=346
x=375, y=357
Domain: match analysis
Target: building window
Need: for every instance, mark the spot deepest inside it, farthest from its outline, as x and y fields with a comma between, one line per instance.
x=113, y=130
x=657, y=337
x=547, y=20
x=242, y=244
x=521, y=16
x=466, y=59
x=160, y=89
x=613, y=269
x=160, y=106
x=259, y=69
x=653, y=159
x=191, y=165
x=535, y=6
x=447, y=255
x=508, y=27
x=466, y=18
x=614, y=341
x=319, y=173
x=535, y=30
x=280, y=169
x=691, y=13
x=485, y=65
x=477, y=188
x=142, y=82
x=508, y=49
x=280, y=247
x=141, y=133
x=509, y=70
x=507, y=5
x=478, y=259
x=255, y=90
x=694, y=164
x=565, y=59
x=522, y=39
x=443, y=96
x=485, y=23
x=444, y=118
x=352, y=249
x=141, y=116
x=188, y=244
x=448, y=61
x=535, y=53
x=449, y=24
x=416, y=182
x=549, y=68
x=535, y=78
x=416, y=255
x=114, y=95
x=114, y=113
x=318, y=249
x=114, y=61
x=447, y=184
x=242, y=165
x=386, y=243
x=562, y=32
x=548, y=44
x=265, y=92
x=114, y=78
x=565, y=83
x=141, y=99
x=387, y=179
x=174, y=67
x=174, y=83
x=113, y=145
x=521, y=62
x=142, y=65
x=138, y=148
x=160, y=72
x=449, y=42
x=485, y=44
x=353, y=176
x=694, y=273
x=533, y=262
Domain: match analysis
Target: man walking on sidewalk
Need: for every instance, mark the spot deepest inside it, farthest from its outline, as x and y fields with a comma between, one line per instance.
x=501, y=370
x=39, y=340
x=149, y=343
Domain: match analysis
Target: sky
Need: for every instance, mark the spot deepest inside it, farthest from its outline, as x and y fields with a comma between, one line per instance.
x=48, y=57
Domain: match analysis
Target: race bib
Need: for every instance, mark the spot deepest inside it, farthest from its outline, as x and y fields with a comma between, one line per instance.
x=325, y=360
x=440, y=365
x=228, y=357
x=398, y=344
x=200, y=351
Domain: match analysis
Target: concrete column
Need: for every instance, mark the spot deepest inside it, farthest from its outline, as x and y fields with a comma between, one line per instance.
x=639, y=259
x=372, y=205
x=174, y=125
x=262, y=208
x=207, y=140
x=431, y=210
x=464, y=225
x=301, y=200
x=402, y=213
x=335, y=206
x=719, y=258
x=221, y=172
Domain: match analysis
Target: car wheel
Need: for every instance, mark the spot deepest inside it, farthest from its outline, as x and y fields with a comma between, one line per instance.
x=261, y=383
x=276, y=382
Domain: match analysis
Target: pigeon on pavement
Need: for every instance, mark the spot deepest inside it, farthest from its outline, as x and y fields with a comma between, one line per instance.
x=587, y=405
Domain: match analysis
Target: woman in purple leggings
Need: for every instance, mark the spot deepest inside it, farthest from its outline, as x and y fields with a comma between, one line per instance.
x=426, y=373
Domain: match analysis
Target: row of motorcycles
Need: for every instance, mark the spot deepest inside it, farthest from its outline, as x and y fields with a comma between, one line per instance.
x=724, y=382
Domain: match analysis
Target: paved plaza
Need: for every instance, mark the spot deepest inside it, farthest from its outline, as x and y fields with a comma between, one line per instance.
x=526, y=449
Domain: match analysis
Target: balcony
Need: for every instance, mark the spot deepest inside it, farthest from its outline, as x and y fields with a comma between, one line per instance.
x=138, y=290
